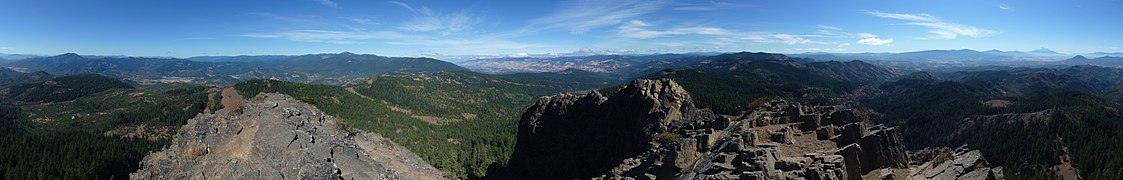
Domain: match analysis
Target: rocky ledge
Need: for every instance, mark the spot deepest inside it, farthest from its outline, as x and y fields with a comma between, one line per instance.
x=277, y=137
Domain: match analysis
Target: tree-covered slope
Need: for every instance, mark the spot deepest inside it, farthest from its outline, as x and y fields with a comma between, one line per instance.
x=93, y=127
x=63, y=88
x=729, y=87
x=1028, y=132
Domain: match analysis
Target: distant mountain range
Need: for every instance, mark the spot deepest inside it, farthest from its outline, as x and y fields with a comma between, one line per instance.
x=321, y=68
x=923, y=60
x=16, y=56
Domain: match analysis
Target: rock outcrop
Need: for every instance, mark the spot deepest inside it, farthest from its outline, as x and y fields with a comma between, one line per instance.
x=960, y=164
x=567, y=136
x=278, y=137
x=650, y=129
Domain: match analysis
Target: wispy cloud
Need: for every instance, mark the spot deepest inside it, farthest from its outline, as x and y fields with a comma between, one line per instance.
x=708, y=6
x=873, y=40
x=7, y=48
x=939, y=29
x=404, y=5
x=825, y=31
x=468, y=45
x=325, y=36
x=363, y=20
x=843, y=45
x=327, y=3
x=813, y=49
x=583, y=15
x=276, y=17
x=790, y=39
x=193, y=38
x=428, y=20
x=946, y=30
x=828, y=27
x=1003, y=7
x=637, y=29
x=907, y=17
x=462, y=45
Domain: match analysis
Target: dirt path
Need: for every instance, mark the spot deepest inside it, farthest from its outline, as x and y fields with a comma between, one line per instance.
x=353, y=91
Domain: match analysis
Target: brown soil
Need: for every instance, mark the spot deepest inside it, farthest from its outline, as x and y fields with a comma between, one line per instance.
x=240, y=145
x=1066, y=170
x=231, y=99
x=803, y=142
x=353, y=91
x=998, y=103
x=469, y=116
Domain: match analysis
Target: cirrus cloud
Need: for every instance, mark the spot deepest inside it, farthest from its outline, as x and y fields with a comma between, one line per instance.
x=938, y=28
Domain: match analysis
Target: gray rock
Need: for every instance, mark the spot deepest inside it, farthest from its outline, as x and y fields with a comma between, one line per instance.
x=851, y=133
x=883, y=149
x=825, y=133
x=286, y=142
x=782, y=136
x=852, y=154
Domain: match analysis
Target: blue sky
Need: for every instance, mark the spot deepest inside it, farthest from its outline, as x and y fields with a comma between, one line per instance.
x=464, y=27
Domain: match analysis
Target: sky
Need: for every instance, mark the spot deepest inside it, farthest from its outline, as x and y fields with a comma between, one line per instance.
x=520, y=27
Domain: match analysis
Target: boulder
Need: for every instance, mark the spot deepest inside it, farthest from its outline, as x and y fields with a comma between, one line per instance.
x=825, y=133
x=783, y=136
x=811, y=122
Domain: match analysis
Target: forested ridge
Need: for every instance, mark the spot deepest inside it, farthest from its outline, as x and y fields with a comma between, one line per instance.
x=56, y=129
x=1028, y=136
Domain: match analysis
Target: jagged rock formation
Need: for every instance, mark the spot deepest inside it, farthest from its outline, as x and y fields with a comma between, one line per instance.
x=650, y=129
x=278, y=137
x=568, y=136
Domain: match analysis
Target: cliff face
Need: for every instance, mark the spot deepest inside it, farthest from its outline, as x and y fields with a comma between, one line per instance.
x=650, y=130
x=278, y=137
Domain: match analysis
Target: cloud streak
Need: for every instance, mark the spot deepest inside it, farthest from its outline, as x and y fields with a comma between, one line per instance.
x=428, y=20
x=938, y=29
x=711, y=6
x=906, y=17
x=583, y=15
x=327, y=3
x=463, y=45
x=325, y=36
x=636, y=29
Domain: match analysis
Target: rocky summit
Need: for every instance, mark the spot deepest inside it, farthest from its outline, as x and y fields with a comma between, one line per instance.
x=275, y=136
x=568, y=136
x=650, y=129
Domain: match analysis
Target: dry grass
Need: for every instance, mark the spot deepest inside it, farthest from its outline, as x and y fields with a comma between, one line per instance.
x=942, y=157
x=664, y=138
x=195, y=152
